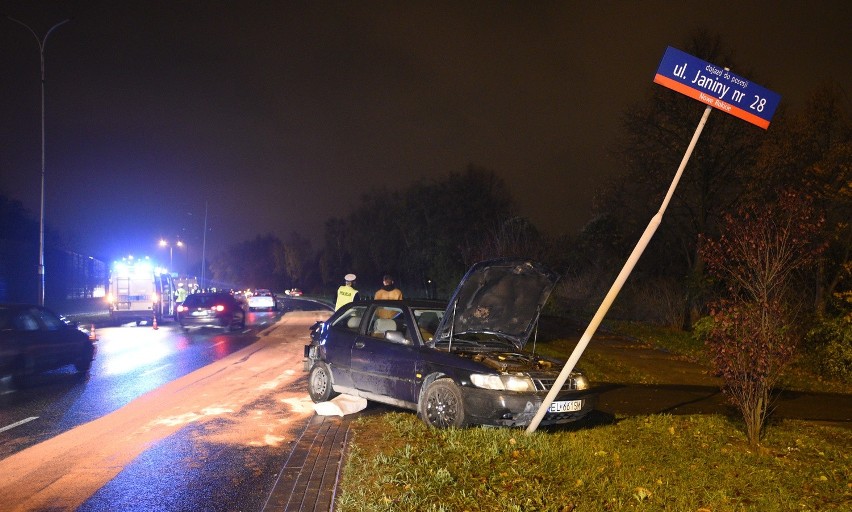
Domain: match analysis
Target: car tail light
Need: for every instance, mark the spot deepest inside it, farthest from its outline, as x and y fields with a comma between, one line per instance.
x=219, y=307
x=181, y=308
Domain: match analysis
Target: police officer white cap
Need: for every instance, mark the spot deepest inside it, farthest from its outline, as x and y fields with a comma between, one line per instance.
x=349, y=278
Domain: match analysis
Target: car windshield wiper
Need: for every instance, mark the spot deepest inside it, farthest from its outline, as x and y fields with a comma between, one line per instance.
x=456, y=340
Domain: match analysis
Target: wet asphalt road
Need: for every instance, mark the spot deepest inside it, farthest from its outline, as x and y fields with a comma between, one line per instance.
x=222, y=463
x=131, y=361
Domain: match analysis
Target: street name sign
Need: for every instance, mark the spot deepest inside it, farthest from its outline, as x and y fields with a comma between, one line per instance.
x=717, y=87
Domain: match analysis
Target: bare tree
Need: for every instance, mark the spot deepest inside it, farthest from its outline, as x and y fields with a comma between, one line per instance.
x=753, y=336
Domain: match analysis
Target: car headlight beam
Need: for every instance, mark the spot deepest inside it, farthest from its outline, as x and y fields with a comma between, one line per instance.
x=503, y=382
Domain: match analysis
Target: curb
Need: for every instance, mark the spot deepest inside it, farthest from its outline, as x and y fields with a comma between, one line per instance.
x=308, y=481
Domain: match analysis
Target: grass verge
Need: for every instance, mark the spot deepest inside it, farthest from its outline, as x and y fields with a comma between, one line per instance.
x=699, y=463
x=660, y=462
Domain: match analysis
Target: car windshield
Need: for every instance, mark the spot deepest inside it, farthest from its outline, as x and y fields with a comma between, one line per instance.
x=427, y=321
x=51, y=322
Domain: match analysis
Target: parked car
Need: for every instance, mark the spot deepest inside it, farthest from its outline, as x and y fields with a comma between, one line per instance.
x=261, y=299
x=215, y=309
x=34, y=339
x=458, y=363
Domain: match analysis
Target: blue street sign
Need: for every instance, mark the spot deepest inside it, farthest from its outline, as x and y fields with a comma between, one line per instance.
x=717, y=87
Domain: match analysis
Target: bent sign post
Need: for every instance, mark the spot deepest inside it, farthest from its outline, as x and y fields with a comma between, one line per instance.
x=717, y=88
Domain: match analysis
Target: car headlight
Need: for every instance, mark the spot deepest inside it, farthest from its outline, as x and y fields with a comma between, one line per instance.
x=503, y=382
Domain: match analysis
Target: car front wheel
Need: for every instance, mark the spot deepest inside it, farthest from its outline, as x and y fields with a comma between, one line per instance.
x=319, y=383
x=442, y=405
x=83, y=364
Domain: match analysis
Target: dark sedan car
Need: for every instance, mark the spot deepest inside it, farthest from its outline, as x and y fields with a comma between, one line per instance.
x=457, y=364
x=34, y=339
x=219, y=309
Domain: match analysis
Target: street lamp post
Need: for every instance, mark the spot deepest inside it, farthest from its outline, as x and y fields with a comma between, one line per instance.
x=41, y=44
x=180, y=243
x=166, y=243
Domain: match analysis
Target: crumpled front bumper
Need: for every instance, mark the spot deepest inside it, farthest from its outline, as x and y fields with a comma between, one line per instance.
x=508, y=409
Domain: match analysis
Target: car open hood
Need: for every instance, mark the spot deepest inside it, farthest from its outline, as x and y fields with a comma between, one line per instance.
x=502, y=297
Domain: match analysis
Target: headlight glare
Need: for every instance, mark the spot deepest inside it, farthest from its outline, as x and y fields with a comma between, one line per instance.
x=581, y=381
x=486, y=381
x=518, y=382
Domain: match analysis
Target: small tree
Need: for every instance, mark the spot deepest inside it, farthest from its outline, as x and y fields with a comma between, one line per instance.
x=753, y=337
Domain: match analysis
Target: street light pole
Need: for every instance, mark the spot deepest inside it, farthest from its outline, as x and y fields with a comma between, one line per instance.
x=204, y=246
x=164, y=243
x=180, y=243
x=41, y=44
x=171, y=245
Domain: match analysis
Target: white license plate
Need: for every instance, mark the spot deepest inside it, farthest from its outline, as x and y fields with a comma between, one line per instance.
x=567, y=406
x=199, y=313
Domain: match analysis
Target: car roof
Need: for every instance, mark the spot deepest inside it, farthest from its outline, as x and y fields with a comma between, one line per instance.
x=209, y=294
x=409, y=303
x=18, y=306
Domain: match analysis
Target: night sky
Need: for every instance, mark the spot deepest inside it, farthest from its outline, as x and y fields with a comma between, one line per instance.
x=279, y=115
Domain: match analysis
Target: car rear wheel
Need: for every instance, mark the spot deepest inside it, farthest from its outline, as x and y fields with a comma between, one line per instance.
x=442, y=405
x=319, y=383
x=238, y=321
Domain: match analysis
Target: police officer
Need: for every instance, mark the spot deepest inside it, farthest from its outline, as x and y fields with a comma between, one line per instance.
x=181, y=294
x=346, y=293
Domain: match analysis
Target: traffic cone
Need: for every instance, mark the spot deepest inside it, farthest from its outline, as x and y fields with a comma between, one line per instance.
x=92, y=333
x=155, y=322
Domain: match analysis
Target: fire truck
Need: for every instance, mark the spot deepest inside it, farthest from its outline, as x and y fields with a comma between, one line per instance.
x=140, y=291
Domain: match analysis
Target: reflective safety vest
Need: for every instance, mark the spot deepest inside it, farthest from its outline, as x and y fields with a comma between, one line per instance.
x=345, y=295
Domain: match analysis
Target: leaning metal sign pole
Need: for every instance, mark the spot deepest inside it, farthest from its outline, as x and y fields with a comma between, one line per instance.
x=616, y=286
x=710, y=85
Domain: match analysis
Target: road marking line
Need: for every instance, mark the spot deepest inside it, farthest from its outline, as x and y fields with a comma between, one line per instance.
x=13, y=425
x=152, y=370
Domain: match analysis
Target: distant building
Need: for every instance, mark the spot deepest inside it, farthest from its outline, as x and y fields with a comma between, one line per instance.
x=67, y=276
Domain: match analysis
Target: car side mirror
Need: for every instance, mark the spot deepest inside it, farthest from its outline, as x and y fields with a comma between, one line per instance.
x=397, y=337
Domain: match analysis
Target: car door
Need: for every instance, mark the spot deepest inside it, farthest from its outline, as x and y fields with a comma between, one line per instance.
x=342, y=334
x=381, y=366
